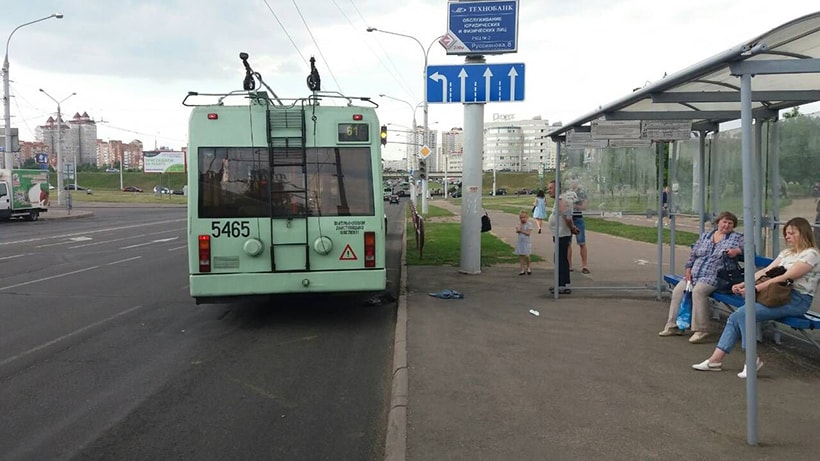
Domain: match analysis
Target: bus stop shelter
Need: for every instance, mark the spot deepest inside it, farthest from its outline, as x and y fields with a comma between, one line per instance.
x=750, y=83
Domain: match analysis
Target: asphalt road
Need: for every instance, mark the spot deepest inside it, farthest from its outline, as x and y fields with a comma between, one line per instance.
x=103, y=354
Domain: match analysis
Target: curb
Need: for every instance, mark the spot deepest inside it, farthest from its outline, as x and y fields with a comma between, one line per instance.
x=395, y=446
x=64, y=215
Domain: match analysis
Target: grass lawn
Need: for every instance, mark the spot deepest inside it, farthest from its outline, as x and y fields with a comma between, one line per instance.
x=442, y=240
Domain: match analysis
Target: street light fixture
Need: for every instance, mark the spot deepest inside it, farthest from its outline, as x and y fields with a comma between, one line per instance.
x=425, y=52
x=7, y=154
x=415, y=125
x=59, y=147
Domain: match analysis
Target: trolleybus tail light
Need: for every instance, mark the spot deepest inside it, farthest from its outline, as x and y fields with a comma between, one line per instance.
x=357, y=117
x=204, y=253
x=213, y=116
x=369, y=249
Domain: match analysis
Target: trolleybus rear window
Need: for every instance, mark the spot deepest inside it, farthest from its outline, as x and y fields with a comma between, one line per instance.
x=237, y=182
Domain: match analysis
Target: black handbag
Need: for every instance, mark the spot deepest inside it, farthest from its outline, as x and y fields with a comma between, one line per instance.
x=486, y=225
x=729, y=274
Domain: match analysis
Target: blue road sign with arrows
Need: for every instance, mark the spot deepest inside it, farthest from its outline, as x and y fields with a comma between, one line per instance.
x=475, y=83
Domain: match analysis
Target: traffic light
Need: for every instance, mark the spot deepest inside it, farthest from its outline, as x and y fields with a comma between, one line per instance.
x=423, y=169
x=383, y=135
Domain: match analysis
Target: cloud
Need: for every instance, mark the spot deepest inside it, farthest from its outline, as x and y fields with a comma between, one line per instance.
x=132, y=61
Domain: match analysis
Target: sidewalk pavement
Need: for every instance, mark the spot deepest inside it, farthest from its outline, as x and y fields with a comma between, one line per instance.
x=586, y=378
x=62, y=212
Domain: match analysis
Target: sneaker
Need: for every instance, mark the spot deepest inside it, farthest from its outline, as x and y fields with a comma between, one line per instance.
x=699, y=337
x=706, y=365
x=742, y=374
x=670, y=332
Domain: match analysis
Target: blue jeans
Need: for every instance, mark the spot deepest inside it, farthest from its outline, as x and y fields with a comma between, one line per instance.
x=736, y=325
x=580, y=237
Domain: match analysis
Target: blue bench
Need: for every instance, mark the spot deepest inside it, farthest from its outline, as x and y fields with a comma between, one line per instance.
x=805, y=325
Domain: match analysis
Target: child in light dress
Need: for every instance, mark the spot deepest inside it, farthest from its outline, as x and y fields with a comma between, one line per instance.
x=523, y=246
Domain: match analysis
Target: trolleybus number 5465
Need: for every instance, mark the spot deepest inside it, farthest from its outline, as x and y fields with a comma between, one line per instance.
x=233, y=229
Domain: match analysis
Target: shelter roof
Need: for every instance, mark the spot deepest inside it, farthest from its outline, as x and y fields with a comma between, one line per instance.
x=708, y=92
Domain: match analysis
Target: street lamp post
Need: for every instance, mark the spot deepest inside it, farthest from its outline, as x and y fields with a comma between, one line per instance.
x=425, y=52
x=415, y=147
x=60, y=147
x=7, y=154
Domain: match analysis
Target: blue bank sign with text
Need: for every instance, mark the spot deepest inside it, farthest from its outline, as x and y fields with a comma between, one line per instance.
x=475, y=83
x=482, y=27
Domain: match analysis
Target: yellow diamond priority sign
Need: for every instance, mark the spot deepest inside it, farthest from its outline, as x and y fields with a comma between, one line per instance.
x=425, y=151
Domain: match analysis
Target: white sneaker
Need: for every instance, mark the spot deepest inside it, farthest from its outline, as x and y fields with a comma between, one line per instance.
x=742, y=374
x=706, y=365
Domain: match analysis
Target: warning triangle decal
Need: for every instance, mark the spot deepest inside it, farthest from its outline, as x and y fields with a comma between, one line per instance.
x=348, y=254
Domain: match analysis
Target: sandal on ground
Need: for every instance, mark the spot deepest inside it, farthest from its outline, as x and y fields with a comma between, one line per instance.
x=699, y=337
x=706, y=365
x=584, y=270
x=742, y=374
x=670, y=332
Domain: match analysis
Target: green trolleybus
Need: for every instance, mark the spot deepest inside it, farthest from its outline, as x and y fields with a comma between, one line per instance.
x=285, y=195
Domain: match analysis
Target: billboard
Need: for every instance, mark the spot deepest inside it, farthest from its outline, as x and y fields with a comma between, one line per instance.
x=164, y=161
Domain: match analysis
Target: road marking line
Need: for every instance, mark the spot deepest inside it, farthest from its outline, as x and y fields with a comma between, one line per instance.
x=108, y=229
x=66, y=336
x=78, y=271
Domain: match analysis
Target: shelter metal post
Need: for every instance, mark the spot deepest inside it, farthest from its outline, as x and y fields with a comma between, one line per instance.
x=774, y=175
x=672, y=180
x=555, y=219
x=714, y=177
x=661, y=162
x=700, y=205
x=757, y=191
x=749, y=251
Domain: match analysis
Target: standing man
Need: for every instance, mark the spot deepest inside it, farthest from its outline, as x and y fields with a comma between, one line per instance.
x=562, y=228
x=578, y=208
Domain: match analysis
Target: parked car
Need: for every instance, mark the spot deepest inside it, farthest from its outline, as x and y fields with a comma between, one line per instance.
x=161, y=190
x=394, y=199
x=73, y=187
x=131, y=189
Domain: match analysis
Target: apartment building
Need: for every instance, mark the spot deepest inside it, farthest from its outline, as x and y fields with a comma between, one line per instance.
x=79, y=138
x=517, y=145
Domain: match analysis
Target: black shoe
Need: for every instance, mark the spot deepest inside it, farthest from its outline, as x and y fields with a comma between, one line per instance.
x=521, y=273
x=561, y=290
x=539, y=231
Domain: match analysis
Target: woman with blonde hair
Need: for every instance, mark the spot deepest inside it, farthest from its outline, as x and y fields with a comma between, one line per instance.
x=801, y=259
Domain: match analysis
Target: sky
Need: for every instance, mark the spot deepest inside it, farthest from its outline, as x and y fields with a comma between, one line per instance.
x=131, y=62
